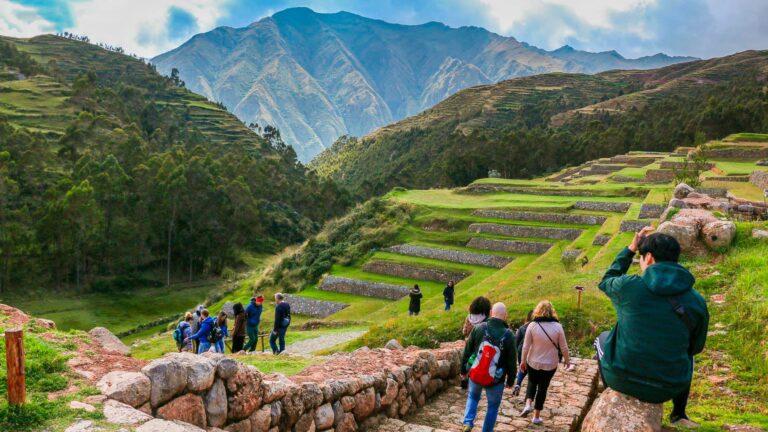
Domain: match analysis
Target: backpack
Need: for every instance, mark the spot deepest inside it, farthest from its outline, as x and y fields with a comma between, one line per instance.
x=485, y=369
x=286, y=321
x=178, y=335
x=215, y=333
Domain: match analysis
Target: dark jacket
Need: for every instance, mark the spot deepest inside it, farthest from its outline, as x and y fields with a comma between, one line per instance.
x=649, y=353
x=253, y=313
x=415, y=303
x=205, y=331
x=508, y=359
x=448, y=294
x=282, y=310
x=239, y=329
x=520, y=338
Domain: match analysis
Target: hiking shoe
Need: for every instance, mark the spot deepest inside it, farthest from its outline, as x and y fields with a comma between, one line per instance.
x=467, y=428
x=516, y=390
x=527, y=410
x=537, y=421
x=683, y=421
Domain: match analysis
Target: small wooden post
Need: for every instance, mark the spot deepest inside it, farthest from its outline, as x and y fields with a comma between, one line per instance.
x=579, y=290
x=14, y=356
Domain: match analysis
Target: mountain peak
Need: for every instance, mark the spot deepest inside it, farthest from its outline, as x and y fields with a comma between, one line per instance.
x=564, y=49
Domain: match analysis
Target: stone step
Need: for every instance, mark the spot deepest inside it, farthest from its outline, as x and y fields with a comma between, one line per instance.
x=560, y=218
x=526, y=231
x=363, y=288
x=313, y=307
x=516, y=246
x=411, y=271
x=457, y=256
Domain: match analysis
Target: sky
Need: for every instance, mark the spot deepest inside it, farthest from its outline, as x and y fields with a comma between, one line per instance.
x=700, y=28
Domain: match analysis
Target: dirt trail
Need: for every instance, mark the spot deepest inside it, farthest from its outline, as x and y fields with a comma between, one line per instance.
x=309, y=346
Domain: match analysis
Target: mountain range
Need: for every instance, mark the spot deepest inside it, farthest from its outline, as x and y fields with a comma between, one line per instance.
x=320, y=76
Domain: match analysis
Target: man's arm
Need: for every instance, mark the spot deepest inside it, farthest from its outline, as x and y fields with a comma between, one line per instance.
x=613, y=280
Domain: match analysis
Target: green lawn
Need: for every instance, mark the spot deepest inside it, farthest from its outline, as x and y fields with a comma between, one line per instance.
x=736, y=166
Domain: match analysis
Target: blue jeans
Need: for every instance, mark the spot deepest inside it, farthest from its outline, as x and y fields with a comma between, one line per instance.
x=220, y=346
x=493, y=393
x=273, y=339
x=448, y=306
x=204, y=347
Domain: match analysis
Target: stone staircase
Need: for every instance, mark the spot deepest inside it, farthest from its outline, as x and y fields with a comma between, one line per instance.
x=569, y=399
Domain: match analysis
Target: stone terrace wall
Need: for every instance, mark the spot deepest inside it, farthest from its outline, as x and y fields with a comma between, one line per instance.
x=738, y=153
x=363, y=288
x=214, y=391
x=615, y=207
x=516, y=246
x=313, y=307
x=651, y=211
x=672, y=165
x=737, y=179
x=633, y=225
x=601, y=240
x=759, y=179
x=562, y=218
x=413, y=272
x=526, y=231
x=659, y=175
x=496, y=188
x=485, y=260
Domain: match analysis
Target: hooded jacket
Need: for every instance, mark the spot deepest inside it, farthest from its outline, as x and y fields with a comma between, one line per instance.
x=205, y=330
x=253, y=313
x=649, y=353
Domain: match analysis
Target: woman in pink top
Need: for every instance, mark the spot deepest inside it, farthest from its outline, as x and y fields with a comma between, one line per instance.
x=542, y=350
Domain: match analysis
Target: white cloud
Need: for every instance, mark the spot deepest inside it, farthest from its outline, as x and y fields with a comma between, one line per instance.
x=21, y=21
x=141, y=26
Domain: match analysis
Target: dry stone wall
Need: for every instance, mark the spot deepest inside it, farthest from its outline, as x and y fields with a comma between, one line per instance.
x=363, y=288
x=759, y=179
x=738, y=153
x=651, y=211
x=633, y=225
x=562, y=218
x=485, y=260
x=516, y=246
x=212, y=391
x=526, y=231
x=659, y=175
x=736, y=179
x=313, y=307
x=615, y=207
x=413, y=272
x=601, y=240
x=672, y=165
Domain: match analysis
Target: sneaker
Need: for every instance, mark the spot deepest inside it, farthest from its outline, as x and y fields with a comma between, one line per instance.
x=516, y=390
x=537, y=420
x=467, y=428
x=683, y=422
x=527, y=410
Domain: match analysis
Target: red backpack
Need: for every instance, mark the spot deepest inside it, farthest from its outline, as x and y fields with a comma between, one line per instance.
x=485, y=366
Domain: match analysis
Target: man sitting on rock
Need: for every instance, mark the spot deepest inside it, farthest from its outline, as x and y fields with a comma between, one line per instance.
x=662, y=324
x=490, y=359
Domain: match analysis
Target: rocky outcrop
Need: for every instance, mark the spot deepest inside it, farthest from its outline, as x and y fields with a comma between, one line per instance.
x=515, y=246
x=410, y=271
x=363, y=288
x=617, y=412
x=696, y=229
x=562, y=218
x=526, y=231
x=342, y=393
x=108, y=341
x=130, y=388
x=452, y=255
x=313, y=307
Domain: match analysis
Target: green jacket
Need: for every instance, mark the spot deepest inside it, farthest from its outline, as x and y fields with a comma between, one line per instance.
x=649, y=353
x=508, y=359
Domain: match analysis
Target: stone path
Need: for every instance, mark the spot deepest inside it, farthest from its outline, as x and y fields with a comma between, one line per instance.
x=570, y=396
x=309, y=346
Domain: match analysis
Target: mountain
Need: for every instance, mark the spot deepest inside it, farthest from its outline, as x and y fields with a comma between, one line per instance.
x=529, y=126
x=113, y=176
x=602, y=61
x=319, y=76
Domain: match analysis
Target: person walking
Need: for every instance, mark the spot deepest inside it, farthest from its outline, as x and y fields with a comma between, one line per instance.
x=489, y=360
x=183, y=332
x=221, y=322
x=519, y=339
x=282, y=321
x=414, y=305
x=662, y=324
x=543, y=347
x=479, y=311
x=203, y=335
x=253, y=318
x=196, y=319
x=448, y=293
x=238, y=331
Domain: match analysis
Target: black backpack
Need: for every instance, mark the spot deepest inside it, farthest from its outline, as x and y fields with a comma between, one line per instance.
x=215, y=333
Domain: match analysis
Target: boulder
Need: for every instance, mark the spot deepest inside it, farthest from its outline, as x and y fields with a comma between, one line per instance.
x=200, y=371
x=365, y=403
x=168, y=377
x=77, y=405
x=229, y=309
x=108, y=341
x=311, y=395
x=759, y=234
x=216, y=404
x=719, y=234
x=241, y=426
x=188, y=408
x=130, y=388
x=686, y=235
x=347, y=424
x=261, y=419
x=393, y=344
x=158, y=425
x=324, y=417
x=617, y=412
x=274, y=387
x=682, y=190
x=45, y=323
x=677, y=203
x=122, y=414
x=306, y=423
x=245, y=392
x=390, y=393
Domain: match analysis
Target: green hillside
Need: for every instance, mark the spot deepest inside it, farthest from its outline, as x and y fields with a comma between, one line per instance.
x=529, y=126
x=113, y=177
